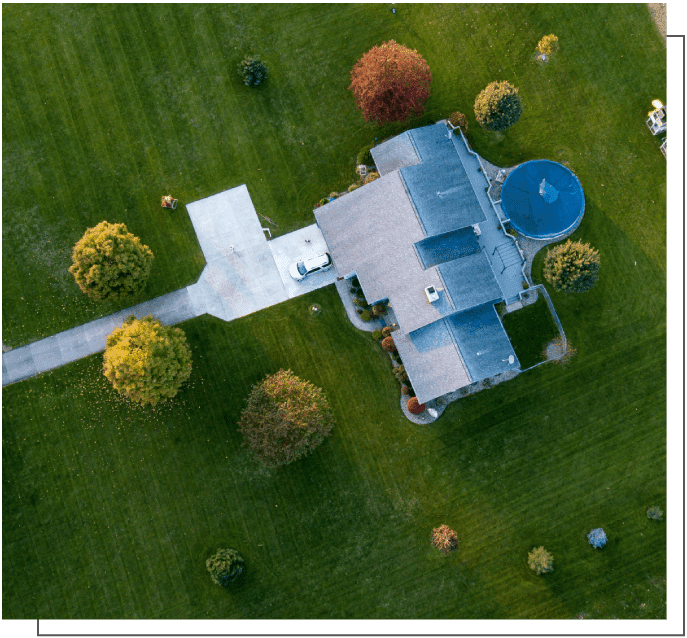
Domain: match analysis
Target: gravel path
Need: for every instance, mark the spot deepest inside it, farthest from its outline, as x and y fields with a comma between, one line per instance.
x=660, y=15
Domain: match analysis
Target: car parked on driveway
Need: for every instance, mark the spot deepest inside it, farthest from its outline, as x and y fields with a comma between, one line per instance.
x=304, y=267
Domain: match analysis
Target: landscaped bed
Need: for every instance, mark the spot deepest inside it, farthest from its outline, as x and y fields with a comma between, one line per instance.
x=111, y=511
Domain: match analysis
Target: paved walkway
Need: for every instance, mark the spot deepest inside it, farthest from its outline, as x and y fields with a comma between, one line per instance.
x=244, y=273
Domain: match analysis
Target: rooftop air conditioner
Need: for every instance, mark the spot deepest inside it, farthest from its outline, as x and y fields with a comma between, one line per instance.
x=476, y=229
x=432, y=294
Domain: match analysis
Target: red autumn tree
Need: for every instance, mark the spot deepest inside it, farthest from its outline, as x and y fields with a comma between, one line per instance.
x=390, y=83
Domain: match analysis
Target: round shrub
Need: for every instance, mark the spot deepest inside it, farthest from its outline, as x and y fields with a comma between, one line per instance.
x=365, y=315
x=572, y=267
x=540, y=561
x=377, y=335
x=285, y=418
x=109, y=263
x=405, y=389
x=597, y=537
x=379, y=309
x=390, y=83
x=386, y=331
x=146, y=361
x=444, y=539
x=548, y=44
x=388, y=344
x=498, y=106
x=359, y=302
x=252, y=70
x=460, y=120
x=370, y=177
x=365, y=156
x=655, y=513
x=414, y=406
x=225, y=566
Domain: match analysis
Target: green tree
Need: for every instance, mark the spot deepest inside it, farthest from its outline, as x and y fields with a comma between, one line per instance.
x=252, y=70
x=572, y=267
x=390, y=83
x=109, y=263
x=498, y=106
x=146, y=361
x=225, y=566
x=285, y=418
x=540, y=561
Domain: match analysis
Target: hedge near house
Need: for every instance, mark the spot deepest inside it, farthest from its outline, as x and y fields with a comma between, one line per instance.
x=110, y=263
x=146, y=361
x=285, y=418
x=498, y=106
x=390, y=83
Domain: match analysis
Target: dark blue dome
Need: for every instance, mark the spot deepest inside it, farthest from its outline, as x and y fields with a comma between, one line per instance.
x=542, y=199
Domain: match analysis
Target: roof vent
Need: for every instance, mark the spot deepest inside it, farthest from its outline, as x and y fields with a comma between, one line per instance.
x=432, y=294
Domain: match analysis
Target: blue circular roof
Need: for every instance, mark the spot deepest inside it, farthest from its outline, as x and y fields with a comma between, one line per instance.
x=542, y=199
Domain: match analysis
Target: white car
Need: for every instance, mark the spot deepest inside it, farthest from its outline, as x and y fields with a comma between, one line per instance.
x=304, y=267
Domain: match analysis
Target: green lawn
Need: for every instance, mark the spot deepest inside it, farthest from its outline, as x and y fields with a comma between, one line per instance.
x=110, y=511
x=530, y=330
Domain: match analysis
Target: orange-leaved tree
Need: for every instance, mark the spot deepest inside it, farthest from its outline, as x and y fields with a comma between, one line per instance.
x=390, y=83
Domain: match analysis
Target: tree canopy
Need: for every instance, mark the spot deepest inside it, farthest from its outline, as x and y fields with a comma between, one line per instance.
x=109, y=263
x=572, y=267
x=390, y=83
x=225, y=566
x=285, y=418
x=498, y=106
x=146, y=361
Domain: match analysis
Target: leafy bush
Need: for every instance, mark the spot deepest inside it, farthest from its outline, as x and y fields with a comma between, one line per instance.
x=458, y=119
x=285, y=418
x=225, y=566
x=365, y=156
x=540, y=561
x=386, y=331
x=597, y=537
x=355, y=281
x=109, y=263
x=379, y=309
x=370, y=177
x=655, y=513
x=405, y=389
x=146, y=361
x=498, y=106
x=377, y=335
x=390, y=83
x=444, y=539
x=252, y=70
x=359, y=302
x=365, y=315
x=572, y=267
x=388, y=344
x=414, y=406
x=353, y=187
x=548, y=44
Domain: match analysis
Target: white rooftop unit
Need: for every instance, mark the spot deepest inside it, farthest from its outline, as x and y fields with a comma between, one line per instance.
x=432, y=294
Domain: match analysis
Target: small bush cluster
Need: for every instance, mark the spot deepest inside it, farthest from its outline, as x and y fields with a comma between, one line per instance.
x=388, y=344
x=365, y=157
x=401, y=375
x=548, y=44
x=460, y=120
x=377, y=335
x=572, y=267
x=379, y=309
x=498, y=106
x=444, y=539
x=370, y=177
x=540, y=561
x=225, y=566
x=252, y=70
x=655, y=513
x=366, y=316
x=353, y=187
x=386, y=331
x=414, y=406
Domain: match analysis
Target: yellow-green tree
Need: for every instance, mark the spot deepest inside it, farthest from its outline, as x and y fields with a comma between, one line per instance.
x=498, y=106
x=147, y=361
x=540, y=561
x=548, y=44
x=110, y=263
x=572, y=267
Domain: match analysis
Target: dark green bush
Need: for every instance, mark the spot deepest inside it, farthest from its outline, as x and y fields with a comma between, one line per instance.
x=377, y=335
x=364, y=156
x=252, y=70
x=498, y=106
x=379, y=309
x=359, y=302
x=225, y=566
x=365, y=315
x=355, y=281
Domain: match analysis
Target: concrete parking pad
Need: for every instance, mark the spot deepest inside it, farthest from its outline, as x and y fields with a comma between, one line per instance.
x=301, y=244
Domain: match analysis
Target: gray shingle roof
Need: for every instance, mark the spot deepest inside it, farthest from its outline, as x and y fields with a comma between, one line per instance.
x=395, y=153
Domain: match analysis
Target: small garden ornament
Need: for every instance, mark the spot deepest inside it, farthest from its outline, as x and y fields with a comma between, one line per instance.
x=169, y=202
x=597, y=538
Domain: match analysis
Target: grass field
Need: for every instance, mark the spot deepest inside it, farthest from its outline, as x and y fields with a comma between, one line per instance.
x=111, y=511
x=529, y=331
